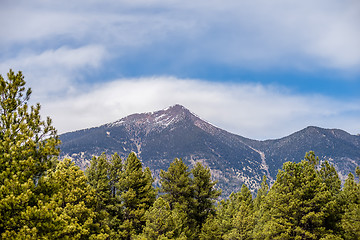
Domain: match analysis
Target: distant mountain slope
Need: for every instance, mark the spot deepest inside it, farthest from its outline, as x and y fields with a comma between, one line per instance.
x=337, y=146
x=159, y=137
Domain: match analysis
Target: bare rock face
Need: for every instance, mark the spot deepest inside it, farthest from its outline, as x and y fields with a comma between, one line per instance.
x=159, y=137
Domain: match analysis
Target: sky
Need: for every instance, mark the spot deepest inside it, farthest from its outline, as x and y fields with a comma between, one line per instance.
x=261, y=69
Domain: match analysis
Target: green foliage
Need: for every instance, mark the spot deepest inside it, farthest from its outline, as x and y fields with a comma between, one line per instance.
x=27, y=147
x=176, y=184
x=72, y=204
x=212, y=229
x=27, y=142
x=333, y=207
x=300, y=203
x=114, y=208
x=351, y=217
x=204, y=194
x=160, y=222
x=98, y=178
x=191, y=200
x=243, y=221
x=234, y=218
x=137, y=195
x=261, y=194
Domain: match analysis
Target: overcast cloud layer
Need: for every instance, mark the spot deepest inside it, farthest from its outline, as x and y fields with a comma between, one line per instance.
x=258, y=68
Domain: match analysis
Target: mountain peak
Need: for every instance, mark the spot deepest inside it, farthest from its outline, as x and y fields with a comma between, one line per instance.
x=155, y=120
x=176, y=107
x=174, y=110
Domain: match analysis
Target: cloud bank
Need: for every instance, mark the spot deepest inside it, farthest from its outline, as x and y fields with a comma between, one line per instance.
x=250, y=34
x=72, y=52
x=251, y=110
x=54, y=71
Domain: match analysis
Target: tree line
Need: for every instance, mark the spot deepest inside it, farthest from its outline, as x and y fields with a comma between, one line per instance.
x=42, y=197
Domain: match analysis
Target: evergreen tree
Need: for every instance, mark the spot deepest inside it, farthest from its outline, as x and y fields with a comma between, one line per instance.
x=191, y=200
x=205, y=194
x=351, y=217
x=330, y=177
x=212, y=228
x=241, y=213
x=98, y=178
x=72, y=204
x=27, y=147
x=261, y=209
x=160, y=223
x=137, y=196
x=261, y=194
x=234, y=218
x=332, y=207
x=176, y=184
x=115, y=205
x=296, y=205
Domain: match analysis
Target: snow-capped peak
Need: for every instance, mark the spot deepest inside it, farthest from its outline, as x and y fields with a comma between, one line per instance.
x=154, y=120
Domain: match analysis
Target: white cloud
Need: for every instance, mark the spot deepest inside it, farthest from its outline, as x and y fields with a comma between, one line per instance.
x=251, y=34
x=57, y=44
x=55, y=71
x=254, y=111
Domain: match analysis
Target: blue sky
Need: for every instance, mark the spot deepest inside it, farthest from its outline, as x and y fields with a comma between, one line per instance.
x=261, y=69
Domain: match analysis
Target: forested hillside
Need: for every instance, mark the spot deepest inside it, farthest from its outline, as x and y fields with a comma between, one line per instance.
x=42, y=197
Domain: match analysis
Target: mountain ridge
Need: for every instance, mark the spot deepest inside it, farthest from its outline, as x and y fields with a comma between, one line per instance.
x=175, y=132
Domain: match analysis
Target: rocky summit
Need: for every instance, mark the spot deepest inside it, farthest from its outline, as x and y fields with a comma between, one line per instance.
x=159, y=137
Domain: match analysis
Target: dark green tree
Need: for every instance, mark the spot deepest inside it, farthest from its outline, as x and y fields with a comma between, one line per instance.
x=27, y=147
x=137, y=196
x=261, y=209
x=242, y=221
x=160, y=222
x=296, y=205
x=333, y=207
x=351, y=216
x=212, y=228
x=176, y=185
x=98, y=178
x=204, y=192
x=234, y=218
x=114, y=207
x=261, y=194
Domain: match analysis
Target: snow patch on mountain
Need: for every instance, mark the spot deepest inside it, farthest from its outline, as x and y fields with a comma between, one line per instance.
x=153, y=121
x=264, y=165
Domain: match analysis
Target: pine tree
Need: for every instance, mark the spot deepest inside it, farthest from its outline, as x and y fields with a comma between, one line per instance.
x=159, y=221
x=114, y=207
x=204, y=193
x=137, y=196
x=241, y=213
x=332, y=207
x=72, y=204
x=351, y=217
x=212, y=228
x=27, y=147
x=98, y=178
x=296, y=205
x=261, y=194
x=176, y=184
x=234, y=218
